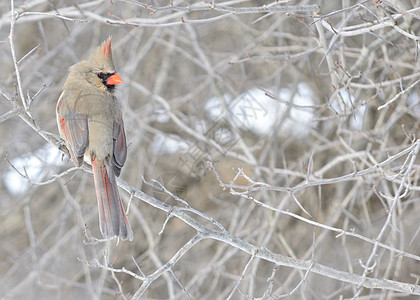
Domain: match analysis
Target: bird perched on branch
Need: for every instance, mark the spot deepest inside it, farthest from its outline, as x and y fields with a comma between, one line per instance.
x=90, y=122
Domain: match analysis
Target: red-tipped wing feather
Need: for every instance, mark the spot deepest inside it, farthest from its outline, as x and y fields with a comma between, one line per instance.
x=74, y=127
x=120, y=147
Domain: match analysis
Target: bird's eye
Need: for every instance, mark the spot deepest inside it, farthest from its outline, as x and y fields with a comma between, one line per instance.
x=104, y=77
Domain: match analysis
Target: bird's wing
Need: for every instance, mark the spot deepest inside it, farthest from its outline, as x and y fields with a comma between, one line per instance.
x=74, y=128
x=120, y=147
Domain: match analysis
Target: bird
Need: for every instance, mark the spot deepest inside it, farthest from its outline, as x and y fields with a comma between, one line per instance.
x=90, y=122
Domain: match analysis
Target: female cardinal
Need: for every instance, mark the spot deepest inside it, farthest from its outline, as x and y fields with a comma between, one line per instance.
x=90, y=122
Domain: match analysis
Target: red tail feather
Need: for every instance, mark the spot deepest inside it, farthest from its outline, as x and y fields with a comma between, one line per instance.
x=112, y=219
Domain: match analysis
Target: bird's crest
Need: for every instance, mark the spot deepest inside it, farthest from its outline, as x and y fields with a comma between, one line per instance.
x=106, y=47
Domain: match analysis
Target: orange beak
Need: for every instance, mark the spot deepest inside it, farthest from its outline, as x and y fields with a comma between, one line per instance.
x=114, y=79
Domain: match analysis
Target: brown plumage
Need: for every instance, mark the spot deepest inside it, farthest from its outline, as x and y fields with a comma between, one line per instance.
x=90, y=122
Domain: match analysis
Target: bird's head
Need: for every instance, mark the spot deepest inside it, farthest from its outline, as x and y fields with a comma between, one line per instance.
x=98, y=70
x=103, y=67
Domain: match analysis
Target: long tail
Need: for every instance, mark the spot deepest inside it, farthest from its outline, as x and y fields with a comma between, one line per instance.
x=112, y=219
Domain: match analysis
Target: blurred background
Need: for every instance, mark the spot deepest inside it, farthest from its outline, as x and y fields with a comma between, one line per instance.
x=293, y=125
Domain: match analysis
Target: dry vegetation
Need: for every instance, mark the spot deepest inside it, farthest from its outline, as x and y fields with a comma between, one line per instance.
x=332, y=212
